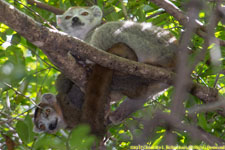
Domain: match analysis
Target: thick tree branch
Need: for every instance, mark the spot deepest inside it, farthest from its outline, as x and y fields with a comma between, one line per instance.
x=57, y=44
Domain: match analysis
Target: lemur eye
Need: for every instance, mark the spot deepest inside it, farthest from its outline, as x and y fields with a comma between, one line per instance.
x=84, y=13
x=47, y=111
x=42, y=127
x=68, y=17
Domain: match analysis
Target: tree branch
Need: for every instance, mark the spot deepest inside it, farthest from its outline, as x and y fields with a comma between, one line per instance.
x=176, y=124
x=49, y=8
x=56, y=45
x=184, y=70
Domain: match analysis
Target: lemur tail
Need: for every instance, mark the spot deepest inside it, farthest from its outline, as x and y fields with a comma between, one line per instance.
x=97, y=91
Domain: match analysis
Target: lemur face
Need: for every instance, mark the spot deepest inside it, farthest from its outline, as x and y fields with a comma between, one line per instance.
x=48, y=118
x=77, y=21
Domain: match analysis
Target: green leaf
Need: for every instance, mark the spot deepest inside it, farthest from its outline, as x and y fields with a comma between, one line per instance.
x=32, y=48
x=25, y=129
x=2, y=36
x=80, y=138
x=113, y=16
x=15, y=39
x=21, y=129
x=46, y=141
x=29, y=123
x=157, y=141
x=202, y=121
x=147, y=8
x=72, y=3
x=15, y=54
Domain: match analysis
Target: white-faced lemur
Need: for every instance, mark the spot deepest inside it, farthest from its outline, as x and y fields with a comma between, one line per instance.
x=141, y=42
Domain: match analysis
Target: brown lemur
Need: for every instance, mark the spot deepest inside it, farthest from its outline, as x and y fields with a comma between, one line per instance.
x=141, y=42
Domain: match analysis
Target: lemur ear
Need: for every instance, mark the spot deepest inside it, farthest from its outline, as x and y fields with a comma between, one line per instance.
x=48, y=98
x=96, y=11
x=59, y=19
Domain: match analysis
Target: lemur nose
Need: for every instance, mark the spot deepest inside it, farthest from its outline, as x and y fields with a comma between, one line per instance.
x=52, y=126
x=75, y=19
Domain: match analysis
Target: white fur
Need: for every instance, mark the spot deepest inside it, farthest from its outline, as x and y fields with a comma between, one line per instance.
x=90, y=21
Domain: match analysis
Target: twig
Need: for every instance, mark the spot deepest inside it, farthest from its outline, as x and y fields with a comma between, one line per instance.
x=217, y=78
x=41, y=70
x=44, y=80
x=174, y=11
x=47, y=7
x=180, y=16
x=50, y=66
x=37, y=14
x=9, y=142
x=124, y=10
x=198, y=77
x=19, y=93
x=14, y=118
x=207, y=107
x=155, y=14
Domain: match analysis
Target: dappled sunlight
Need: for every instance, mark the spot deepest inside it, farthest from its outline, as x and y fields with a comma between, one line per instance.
x=7, y=68
x=146, y=26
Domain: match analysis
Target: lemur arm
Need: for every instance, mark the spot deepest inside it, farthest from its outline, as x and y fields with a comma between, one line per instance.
x=70, y=99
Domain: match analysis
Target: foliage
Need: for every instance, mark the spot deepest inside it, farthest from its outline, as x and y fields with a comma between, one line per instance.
x=26, y=73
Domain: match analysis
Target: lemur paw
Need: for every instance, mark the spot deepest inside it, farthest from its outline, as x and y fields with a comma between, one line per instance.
x=89, y=62
x=114, y=119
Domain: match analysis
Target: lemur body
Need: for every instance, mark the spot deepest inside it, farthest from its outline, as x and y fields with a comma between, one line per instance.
x=137, y=41
x=151, y=44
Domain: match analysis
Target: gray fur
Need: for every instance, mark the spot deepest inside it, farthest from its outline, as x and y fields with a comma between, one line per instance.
x=151, y=44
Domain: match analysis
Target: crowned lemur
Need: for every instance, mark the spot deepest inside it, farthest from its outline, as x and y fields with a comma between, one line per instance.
x=141, y=42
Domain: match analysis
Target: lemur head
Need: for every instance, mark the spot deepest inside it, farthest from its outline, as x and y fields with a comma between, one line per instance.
x=78, y=21
x=48, y=116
